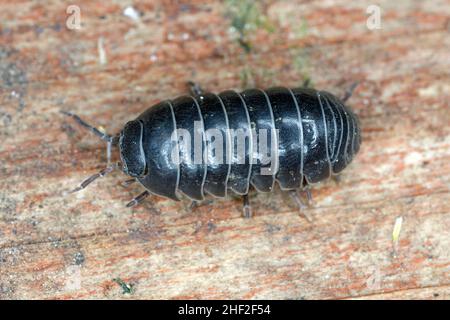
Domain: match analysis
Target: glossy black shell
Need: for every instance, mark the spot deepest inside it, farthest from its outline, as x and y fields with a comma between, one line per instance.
x=318, y=136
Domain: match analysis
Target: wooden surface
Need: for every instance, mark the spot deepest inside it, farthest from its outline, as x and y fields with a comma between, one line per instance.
x=61, y=246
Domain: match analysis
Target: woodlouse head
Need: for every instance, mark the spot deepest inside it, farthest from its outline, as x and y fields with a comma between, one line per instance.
x=131, y=150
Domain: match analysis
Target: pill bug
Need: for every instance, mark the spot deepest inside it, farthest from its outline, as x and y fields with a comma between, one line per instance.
x=313, y=136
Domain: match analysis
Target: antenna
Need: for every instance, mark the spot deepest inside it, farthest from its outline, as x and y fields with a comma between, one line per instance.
x=110, y=140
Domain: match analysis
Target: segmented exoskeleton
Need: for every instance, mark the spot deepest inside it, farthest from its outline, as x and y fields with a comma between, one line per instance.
x=312, y=135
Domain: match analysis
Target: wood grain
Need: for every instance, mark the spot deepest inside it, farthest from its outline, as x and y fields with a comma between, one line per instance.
x=54, y=245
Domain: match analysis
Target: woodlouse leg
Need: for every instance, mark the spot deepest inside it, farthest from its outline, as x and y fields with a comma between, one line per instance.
x=195, y=89
x=195, y=204
x=349, y=92
x=110, y=140
x=246, y=208
x=336, y=179
x=307, y=191
x=94, y=177
x=138, y=199
x=302, y=208
x=128, y=182
x=108, y=152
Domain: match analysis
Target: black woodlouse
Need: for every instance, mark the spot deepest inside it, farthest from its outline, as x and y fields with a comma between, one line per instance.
x=313, y=136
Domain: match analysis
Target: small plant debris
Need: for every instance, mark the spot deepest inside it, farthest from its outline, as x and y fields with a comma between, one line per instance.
x=127, y=288
x=396, y=234
x=245, y=16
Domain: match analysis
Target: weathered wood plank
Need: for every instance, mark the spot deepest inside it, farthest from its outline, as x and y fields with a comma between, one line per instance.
x=49, y=242
x=276, y=255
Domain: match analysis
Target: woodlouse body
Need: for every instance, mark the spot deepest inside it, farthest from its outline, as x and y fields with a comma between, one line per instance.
x=317, y=136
